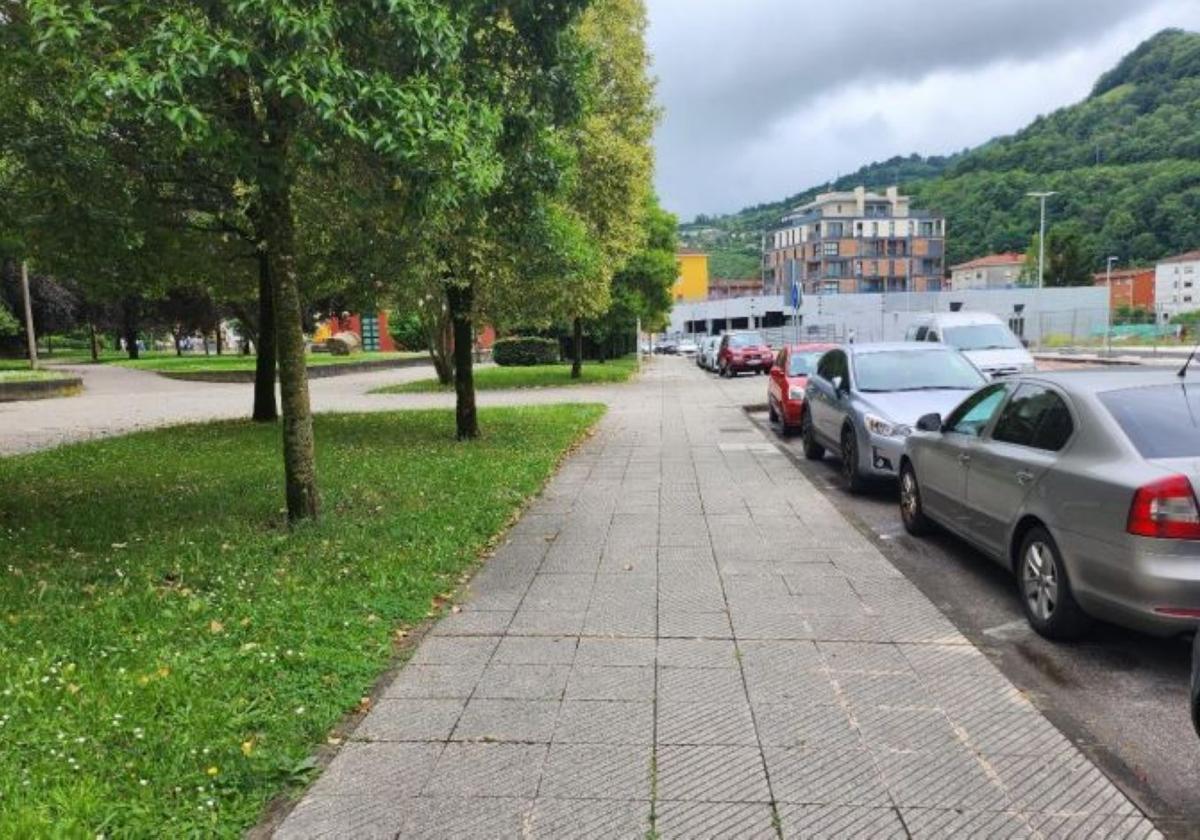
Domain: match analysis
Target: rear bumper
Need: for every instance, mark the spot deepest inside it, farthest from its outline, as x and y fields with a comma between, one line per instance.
x=792, y=411
x=1143, y=583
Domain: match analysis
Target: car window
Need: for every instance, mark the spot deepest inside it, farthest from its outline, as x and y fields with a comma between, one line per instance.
x=746, y=340
x=827, y=368
x=973, y=416
x=781, y=359
x=921, y=333
x=802, y=364
x=918, y=369
x=982, y=337
x=1035, y=417
x=1162, y=421
x=933, y=336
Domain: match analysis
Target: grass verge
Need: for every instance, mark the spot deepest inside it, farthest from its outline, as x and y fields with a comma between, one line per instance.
x=192, y=363
x=27, y=375
x=171, y=655
x=535, y=376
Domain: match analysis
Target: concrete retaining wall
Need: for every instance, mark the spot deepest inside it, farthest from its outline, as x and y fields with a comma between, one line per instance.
x=40, y=389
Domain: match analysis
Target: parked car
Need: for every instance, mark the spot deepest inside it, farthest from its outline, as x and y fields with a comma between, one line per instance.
x=1196, y=683
x=864, y=399
x=1082, y=483
x=744, y=351
x=985, y=339
x=789, y=377
x=687, y=347
x=667, y=347
x=707, y=357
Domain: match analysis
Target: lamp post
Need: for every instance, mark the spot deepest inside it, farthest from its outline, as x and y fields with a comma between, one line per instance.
x=1108, y=285
x=1041, y=196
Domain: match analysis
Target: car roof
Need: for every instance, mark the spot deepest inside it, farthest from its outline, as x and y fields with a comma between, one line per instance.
x=809, y=347
x=951, y=319
x=1113, y=378
x=897, y=347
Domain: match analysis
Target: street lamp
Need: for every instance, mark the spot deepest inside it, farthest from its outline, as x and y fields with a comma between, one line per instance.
x=1108, y=285
x=1041, y=196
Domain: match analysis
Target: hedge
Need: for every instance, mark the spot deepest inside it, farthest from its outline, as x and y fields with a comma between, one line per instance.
x=523, y=351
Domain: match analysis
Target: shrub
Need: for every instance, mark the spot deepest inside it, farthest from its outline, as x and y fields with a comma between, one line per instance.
x=524, y=351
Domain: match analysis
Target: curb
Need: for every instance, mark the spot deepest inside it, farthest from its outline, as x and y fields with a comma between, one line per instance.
x=40, y=389
x=314, y=371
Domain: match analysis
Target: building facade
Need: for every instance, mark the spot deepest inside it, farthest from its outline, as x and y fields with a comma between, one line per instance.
x=1130, y=287
x=859, y=241
x=995, y=271
x=691, y=282
x=720, y=288
x=1175, y=285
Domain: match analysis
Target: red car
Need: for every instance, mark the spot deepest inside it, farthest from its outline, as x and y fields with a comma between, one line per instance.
x=742, y=352
x=785, y=391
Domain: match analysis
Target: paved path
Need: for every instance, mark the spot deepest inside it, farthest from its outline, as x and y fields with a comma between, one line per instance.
x=683, y=635
x=118, y=400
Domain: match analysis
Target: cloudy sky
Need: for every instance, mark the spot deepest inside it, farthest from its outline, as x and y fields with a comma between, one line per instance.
x=764, y=98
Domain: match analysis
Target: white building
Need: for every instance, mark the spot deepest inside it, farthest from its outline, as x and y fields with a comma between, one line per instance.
x=1177, y=285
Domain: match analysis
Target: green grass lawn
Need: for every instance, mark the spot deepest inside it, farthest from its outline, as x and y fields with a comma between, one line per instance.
x=197, y=363
x=24, y=374
x=536, y=376
x=170, y=655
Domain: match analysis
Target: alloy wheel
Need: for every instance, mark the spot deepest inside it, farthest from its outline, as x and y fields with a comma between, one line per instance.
x=1039, y=580
x=909, y=500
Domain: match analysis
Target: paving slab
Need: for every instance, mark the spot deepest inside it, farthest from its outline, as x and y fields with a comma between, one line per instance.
x=682, y=636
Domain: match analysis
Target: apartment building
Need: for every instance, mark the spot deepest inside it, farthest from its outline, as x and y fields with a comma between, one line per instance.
x=1177, y=284
x=692, y=281
x=995, y=271
x=858, y=241
x=720, y=288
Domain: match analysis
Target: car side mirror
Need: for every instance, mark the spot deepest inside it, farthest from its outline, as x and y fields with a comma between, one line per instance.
x=930, y=423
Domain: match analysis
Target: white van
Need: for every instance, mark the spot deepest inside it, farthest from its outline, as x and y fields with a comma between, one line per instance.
x=985, y=339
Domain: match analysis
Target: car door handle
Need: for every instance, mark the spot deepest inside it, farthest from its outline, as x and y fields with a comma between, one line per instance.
x=964, y=459
x=1024, y=477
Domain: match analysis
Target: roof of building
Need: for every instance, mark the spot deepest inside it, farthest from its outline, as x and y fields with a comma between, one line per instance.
x=1101, y=277
x=991, y=260
x=1187, y=256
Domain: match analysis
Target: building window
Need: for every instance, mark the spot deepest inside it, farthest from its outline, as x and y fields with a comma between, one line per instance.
x=829, y=249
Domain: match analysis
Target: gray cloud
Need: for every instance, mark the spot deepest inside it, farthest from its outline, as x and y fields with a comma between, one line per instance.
x=734, y=75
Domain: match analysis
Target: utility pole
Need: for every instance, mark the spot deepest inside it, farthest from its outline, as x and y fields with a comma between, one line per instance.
x=29, y=334
x=1041, y=196
x=1108, y=285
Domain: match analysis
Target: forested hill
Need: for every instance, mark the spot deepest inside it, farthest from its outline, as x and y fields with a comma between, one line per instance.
x=1126, y=162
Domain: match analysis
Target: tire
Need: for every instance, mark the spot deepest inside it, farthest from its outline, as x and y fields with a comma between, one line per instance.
x=772, y=414
x=1045, y=589
x=725, y=371
x=813, y=451
x=912, y=510
x=852, y=479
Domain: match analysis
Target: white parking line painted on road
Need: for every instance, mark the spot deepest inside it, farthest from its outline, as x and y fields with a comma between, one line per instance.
x=1010, y=630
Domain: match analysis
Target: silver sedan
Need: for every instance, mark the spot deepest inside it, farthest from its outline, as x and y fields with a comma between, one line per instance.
x=1082, y=483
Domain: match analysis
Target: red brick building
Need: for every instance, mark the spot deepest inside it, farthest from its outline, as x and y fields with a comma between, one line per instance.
x=1131, y=287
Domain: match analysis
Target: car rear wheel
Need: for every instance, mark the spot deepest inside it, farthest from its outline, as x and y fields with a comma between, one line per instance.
x=813, y=451
x=1045, y=589
x=853, y=479
x=912, y=511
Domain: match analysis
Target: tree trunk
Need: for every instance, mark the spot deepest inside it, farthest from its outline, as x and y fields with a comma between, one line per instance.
x=577, y=350
x=265, y=410
x=129, y=325
x=94, y=341
x=299, y=459
x=217, y=333
x=440, y=342
x=178, y=343
x=461, y=299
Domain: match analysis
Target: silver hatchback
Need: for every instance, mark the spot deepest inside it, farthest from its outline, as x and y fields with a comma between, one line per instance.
x=1083, y=483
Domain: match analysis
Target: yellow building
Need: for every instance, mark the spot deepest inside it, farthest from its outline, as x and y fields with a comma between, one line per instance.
x=692, y=282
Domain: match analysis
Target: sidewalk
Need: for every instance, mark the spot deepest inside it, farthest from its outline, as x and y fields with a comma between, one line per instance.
x=682, y=635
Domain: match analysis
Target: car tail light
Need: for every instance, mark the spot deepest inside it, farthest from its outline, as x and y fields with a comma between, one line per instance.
x=1166, y=510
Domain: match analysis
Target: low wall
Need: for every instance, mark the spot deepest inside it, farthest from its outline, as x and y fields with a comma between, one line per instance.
x=40, y=389
x=314, y=371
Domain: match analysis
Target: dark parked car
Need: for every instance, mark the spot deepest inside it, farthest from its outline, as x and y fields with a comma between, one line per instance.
x=1083, y=483
x=1196, y=683
x=744, y=351
x=863, y=400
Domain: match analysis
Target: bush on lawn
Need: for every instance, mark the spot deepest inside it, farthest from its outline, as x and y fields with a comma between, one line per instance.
x=524, y=351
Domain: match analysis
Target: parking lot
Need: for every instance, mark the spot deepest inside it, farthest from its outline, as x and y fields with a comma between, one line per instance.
x=1119, y=695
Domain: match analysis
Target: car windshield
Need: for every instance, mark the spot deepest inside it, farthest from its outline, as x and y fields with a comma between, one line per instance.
x=981, y=337
x=746, y=340
x=1162, y=421
x=802, y=364
x=915, y=370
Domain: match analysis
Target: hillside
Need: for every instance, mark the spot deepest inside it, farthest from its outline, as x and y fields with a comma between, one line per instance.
x=1126, y=161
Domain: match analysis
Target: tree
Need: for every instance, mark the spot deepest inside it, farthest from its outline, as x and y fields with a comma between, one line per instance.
x=9, y=326
x=615, y=159
x=1066, y=264
x=261, y=85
